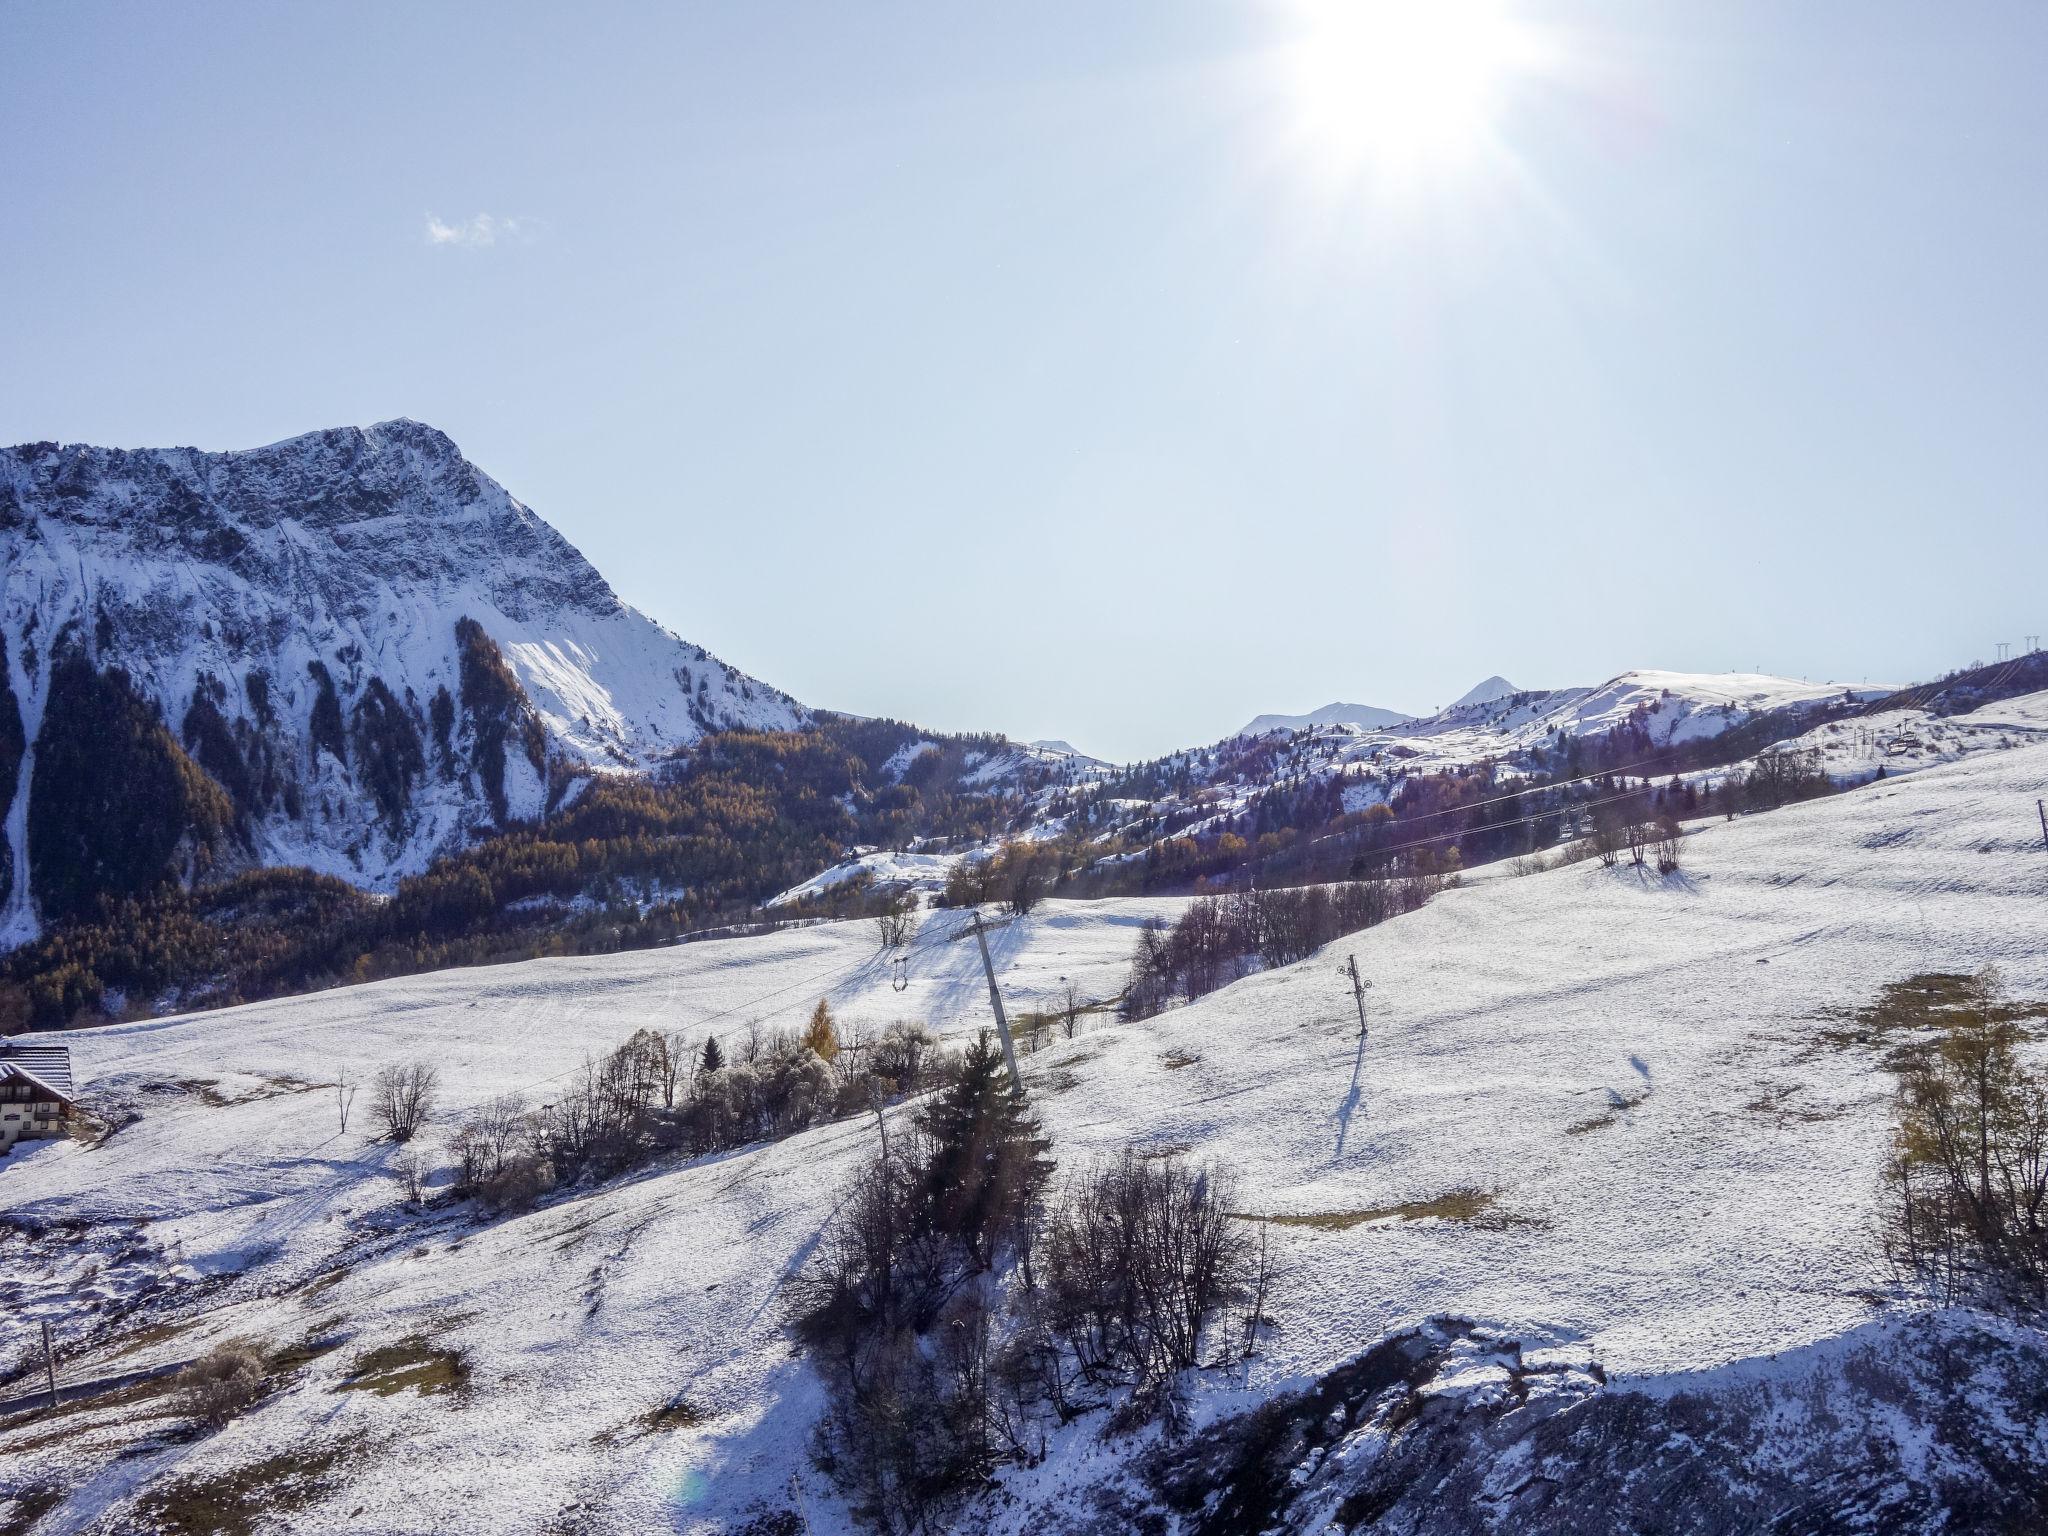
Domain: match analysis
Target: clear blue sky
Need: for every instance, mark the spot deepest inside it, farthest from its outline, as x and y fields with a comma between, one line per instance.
x=1103, y=371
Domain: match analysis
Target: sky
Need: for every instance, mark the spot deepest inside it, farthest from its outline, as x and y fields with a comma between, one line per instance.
x=1112, y=373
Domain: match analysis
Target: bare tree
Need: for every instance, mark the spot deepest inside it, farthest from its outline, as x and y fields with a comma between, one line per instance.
x=1638, y=833
x=344, y=1095
x=1666, y=834
x=402, y=1096
x=1258, y=1289
x=1606, y=836
x=878, y=1100
x=412, y=1172
x=897, y=921
x=674, y=1055
x=1070, y=1008
x=1141, y=1257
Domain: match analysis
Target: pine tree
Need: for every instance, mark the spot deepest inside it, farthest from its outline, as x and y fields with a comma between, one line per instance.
x=713, y=1058
x=988, y=1163
x=822, y=1035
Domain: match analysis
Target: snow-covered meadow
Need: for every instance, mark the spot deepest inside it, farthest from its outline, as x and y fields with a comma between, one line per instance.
x=1666, y=1145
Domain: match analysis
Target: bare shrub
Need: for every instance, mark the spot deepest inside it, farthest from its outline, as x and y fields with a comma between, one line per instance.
x=1575, y=852
x=412, y=1173
x=402, y=1096
x=904, y=1056
x=1665, y=844
x=1608, y=835
x=519, y=1181
x=1966, y=1213
x=1034, y=1028
x=222, y=1382
x=501, y=1155
x=1638, y=834
x=1140, y=1259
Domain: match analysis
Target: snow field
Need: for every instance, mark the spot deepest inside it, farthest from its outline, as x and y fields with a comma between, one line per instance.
x=1640, y=1073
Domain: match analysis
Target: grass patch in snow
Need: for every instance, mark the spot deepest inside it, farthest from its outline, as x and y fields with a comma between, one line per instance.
x=412, y=1364
x=1776, y=1102
x=205, y=1089
x=321, y=1341
x=676, y=1413
x=236, y=1502
x=1173, y=1061
x=1453, y=1205
x=320, y=1284
x=1618, y=1104
x=1906, y=1013
x=155, y=1333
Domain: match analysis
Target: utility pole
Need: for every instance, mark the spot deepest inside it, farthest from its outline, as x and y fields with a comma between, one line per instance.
x=1358, y=986
x=995, y=999
x=49, y=1363
x=2042, y=811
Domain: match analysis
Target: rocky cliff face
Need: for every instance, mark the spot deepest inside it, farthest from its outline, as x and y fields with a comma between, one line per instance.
x=347, y=650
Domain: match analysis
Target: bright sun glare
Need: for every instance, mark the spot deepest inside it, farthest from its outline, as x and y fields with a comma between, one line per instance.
x=1401, y=85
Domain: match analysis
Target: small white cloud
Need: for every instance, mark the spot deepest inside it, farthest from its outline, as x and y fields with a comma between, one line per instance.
x=484, y=229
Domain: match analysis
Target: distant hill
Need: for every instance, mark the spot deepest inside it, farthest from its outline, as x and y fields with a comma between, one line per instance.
x=1367, y=715
x=1062, y=747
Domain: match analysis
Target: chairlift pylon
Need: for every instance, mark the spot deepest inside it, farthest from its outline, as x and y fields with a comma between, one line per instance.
x=899, y=973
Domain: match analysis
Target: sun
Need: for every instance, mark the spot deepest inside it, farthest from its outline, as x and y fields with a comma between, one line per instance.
x=1401, y=86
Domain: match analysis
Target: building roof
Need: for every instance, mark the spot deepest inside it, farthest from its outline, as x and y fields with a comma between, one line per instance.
x=48, y=1064
x=14, y=1072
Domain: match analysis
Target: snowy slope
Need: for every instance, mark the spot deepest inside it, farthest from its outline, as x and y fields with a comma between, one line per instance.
x=1681, y=1152
x=229, y=576
x=1897, y=741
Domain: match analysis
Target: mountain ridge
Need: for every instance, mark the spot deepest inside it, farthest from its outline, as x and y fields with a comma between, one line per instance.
x=1370, y=716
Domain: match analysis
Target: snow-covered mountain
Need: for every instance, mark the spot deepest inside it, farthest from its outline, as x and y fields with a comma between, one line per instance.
x=1369, y=716
x=366, y=643
x=1495, y=687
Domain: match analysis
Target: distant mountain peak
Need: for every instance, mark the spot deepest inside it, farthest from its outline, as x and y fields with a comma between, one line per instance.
x=1495, y=687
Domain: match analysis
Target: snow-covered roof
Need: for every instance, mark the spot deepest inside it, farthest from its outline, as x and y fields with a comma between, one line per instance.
x=49, y=1064
x=10, y=1073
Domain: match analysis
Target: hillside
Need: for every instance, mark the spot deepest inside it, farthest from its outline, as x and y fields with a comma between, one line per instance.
x=1609, y=1147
